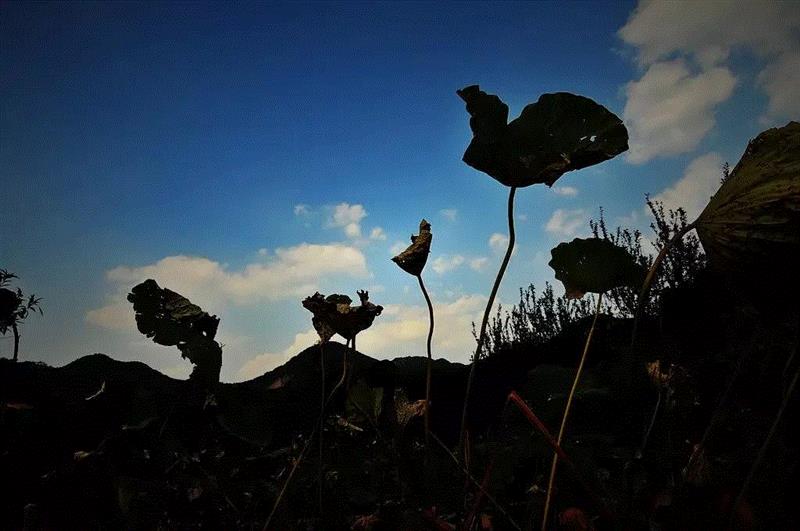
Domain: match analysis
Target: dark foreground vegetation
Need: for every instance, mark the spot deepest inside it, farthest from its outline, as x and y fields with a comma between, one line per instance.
x=681, y=412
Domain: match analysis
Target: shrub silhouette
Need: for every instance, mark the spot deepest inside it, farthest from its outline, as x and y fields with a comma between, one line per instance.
x=15, y=308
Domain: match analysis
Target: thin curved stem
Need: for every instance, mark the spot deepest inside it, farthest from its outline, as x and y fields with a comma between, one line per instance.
x=321, y=421
x=430, y=362
x=563, y=427
x=651, y=275
x=482, y=336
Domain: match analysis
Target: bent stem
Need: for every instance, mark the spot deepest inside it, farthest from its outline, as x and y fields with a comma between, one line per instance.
x=563, y=427
x=485, y=321
x=430, y=362
x=651, y=275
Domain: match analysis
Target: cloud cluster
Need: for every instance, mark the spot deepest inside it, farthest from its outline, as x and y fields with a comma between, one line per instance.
x=445, y=264
x=289, y=272
x=685, y=57
x=348, y=217
x=568, y=191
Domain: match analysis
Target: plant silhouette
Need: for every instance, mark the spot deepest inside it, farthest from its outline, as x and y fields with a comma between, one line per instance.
x=412, y=260
x=15, y=308
x=561, y=132
x=591, y=265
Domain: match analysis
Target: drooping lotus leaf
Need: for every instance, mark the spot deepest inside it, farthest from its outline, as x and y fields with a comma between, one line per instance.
x=559, y=133
x=752, y=224
x=594, y=265
x=335, y=315
x=413, y=259
x=170, y=319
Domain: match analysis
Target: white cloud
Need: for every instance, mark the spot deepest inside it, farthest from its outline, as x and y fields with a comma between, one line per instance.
x=708, y=31
x=670, y=110
x=348, y=217
x=781, y=81
x=302, y=210
x=566, y=222
x=290, y=272
x=377, y=234
x=444, y=264
x=267, y=361
x=685, y=50
x=449, y=213
x=263, y=251
x=692, y=191
x=569, y=191
x=479, y=263
x=498, y=242
x=522, y=217
x=401, y=330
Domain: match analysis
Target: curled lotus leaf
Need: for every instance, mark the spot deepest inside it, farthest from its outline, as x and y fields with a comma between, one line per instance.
x=170, y=319
x=413, y=259
x=335, y=315
x=561, y=132
x=752, y=224
x=594, y=265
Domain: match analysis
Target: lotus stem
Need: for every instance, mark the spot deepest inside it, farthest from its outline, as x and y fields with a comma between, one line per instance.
x=563, y=428
x=321, y=420
x=651, y=275
x=430, y=362
x=652, y=423
x=762, y=452
x=485, y=321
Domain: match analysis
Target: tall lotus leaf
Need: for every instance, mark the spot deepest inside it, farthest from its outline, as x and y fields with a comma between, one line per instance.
x=413, y=259
x=753, y=222
x=594, y=265
x=559, y=133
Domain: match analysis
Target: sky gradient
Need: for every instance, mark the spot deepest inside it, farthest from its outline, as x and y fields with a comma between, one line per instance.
x=246, y=155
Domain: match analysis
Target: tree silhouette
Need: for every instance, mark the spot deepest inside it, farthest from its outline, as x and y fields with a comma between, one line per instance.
x=14, y=308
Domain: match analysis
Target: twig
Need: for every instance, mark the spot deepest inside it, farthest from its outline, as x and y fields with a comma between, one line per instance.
x=475, y=482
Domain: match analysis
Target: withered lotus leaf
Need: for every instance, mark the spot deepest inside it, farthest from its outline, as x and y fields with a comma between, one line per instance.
x=594, y=265
x=561, y=132
x=335, y=315
x=753, y=221
x=170, y=319
x=413, y=259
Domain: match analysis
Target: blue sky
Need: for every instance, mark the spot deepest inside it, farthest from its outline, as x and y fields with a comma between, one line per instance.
x=247, y=155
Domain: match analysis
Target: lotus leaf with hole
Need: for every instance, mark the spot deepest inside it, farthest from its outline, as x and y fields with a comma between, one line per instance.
x=559, y=133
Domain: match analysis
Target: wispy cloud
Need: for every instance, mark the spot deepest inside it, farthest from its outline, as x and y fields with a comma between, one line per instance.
x=685, y=57
x=693, y=190
x=348, y=217
x=568, y=191
x=449, y=213
x=445, y=264
x=566, y=222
